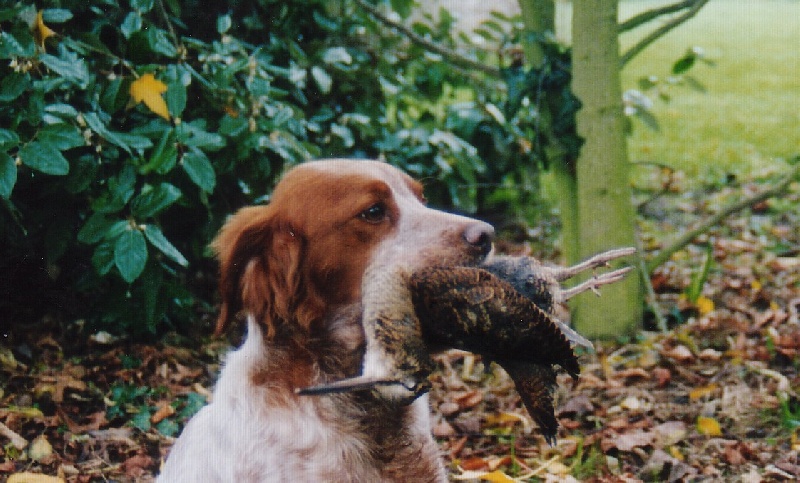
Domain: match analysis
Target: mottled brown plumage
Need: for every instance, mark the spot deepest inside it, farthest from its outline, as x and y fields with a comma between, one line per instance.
x=503, y=310
x=472, y=309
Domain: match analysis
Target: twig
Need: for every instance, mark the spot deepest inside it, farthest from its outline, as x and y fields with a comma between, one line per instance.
x=169, y=24
x=17, y=441
x=661, y=31
x=650, y=15
x=450, y=55
x=687, y=238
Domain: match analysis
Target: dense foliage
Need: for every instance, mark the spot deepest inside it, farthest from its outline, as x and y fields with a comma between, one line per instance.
x=130, y=128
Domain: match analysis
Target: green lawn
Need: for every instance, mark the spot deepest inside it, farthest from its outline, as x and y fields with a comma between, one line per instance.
x=748, y=121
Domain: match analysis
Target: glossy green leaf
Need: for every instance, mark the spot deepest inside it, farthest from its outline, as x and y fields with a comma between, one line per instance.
x=44, y=157
x=95, y=229
x=17, y=43
x=194, y=134
x=199, y=169
x=61, y=136
x=12, y=85
x=337, y=55
x=322, y=79
x=62, y=110
x=156, y=238
x=131, y=24
x=98, y=126
x=9, y=13
x=683, y=64
x=160, y=43
x=176, y=98
x=103, y=258
x=154, y=199
x=232, y=126
x=117, y=228
x=8, y=139
x=8, y=175
x=69, y=67
x=130, y=254
x=56, y=15
x=143, y=6
x=224, y=23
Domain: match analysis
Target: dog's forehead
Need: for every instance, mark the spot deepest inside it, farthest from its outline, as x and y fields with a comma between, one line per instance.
x=397, y=181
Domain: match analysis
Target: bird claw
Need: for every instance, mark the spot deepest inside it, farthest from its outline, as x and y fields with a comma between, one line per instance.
x=597, y=261
x=595, y=282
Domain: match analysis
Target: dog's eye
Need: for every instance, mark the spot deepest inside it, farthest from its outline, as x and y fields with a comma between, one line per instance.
x=374, y=214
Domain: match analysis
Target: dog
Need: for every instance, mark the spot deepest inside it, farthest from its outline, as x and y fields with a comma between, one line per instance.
x=294, y=268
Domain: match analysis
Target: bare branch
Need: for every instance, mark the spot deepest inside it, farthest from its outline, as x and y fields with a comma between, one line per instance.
x=450, y=55
x=650, y=15
x=687, y=238
x=660, y=32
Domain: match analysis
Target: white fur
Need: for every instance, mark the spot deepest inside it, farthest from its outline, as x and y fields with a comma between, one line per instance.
x=233, y=438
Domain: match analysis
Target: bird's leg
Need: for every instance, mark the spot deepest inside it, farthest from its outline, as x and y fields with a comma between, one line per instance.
x=594, y=282
x=599, y=260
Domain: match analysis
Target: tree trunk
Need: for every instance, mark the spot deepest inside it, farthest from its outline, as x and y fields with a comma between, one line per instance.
x=605, y=211
x=539, y=18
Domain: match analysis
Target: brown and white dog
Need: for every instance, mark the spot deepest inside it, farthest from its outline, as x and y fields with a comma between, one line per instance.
x=294, y=268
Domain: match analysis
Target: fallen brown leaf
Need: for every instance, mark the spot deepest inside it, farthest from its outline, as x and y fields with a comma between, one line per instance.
x=627, y=441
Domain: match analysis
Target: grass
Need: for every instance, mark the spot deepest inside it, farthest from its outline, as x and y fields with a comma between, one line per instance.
x=748, y=120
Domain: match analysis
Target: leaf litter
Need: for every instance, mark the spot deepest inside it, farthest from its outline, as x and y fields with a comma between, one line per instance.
x=713, y=399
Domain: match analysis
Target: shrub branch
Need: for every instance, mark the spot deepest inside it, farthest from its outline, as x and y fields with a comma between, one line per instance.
x=689, y=236
x=451, y=55
x=650, y=15
x=694, y=6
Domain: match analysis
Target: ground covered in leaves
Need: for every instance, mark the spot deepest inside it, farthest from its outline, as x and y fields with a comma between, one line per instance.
x=712, y=399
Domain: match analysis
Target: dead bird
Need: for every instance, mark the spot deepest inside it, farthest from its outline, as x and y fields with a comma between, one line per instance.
x=502, y=309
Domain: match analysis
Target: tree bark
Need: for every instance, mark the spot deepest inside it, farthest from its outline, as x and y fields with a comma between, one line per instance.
x=539, y=18
x=606, y=218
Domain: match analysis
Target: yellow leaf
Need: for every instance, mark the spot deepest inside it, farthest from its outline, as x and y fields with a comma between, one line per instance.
x=33, y=478
x=148, y=89
x=704, y=305
x=40, y=448
x=755, y=285
x=41, y=32
x=504, y=418
x=708, y=426
x=701, y=392
x=675, y=452
x=497, y=476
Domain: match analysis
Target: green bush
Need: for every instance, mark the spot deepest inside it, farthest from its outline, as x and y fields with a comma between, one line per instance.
x=130, y=129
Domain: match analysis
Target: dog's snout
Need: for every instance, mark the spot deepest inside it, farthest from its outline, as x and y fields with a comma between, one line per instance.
x=480, y=235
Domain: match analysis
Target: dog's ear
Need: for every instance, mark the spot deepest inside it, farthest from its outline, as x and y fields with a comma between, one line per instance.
x=260, y=268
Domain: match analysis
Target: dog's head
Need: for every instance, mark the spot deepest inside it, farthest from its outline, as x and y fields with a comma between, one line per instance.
x=289, y=262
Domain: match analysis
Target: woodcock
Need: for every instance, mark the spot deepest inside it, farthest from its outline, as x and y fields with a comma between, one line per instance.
x=503, y=310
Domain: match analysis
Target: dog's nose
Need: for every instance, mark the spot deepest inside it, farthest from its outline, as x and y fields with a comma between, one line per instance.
x=480, y=235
